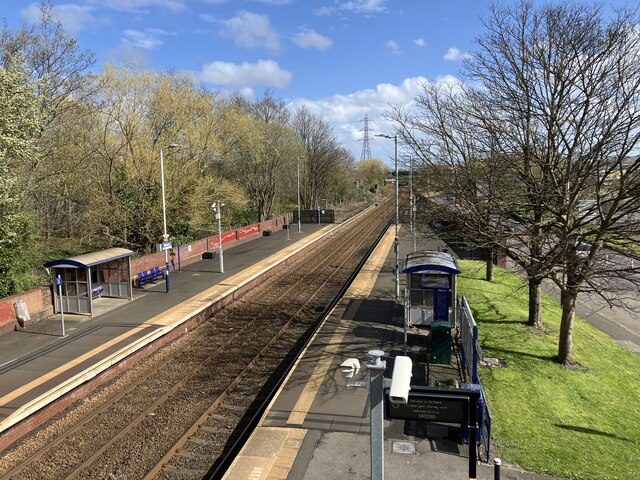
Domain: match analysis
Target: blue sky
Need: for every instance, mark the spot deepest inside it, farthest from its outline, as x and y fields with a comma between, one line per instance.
x=343, y=59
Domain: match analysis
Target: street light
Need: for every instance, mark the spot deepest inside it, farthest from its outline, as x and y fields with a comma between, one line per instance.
x=216, y=208
x=165, y=235
x=412, y=213
x=396, y=241
x=299, y=227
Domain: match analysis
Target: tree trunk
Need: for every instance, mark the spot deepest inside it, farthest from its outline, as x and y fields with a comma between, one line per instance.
x=489, y=273
x=535, y=314
x=565, y=343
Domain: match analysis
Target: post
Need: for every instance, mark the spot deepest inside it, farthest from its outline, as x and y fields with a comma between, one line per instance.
x=299, y=227
x=165, y=237
x=397, y=242
x=496, y=468
x=473, y=435
x=286, y=216
x=59, y=283
x=412, y=213
x=376, y=402
x=216, y=206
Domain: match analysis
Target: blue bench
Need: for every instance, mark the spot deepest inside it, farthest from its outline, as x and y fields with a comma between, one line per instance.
x=97, y=291
x=149, y=276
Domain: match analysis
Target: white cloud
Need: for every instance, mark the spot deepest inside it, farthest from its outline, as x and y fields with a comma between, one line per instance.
x=454, y=55
x=312, y=39
x=420, y=42
x=74, y=18
x=250, y=30
x=346, y=112
x=266, y=73
x=365, y=7
x=147, y=40
x=141, y=5
x=394, y=47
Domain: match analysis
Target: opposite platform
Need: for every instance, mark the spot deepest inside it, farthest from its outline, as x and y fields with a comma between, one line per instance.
x=37, y=367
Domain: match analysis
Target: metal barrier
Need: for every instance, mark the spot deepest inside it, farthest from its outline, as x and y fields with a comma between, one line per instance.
x=311, y=216
x=471, y=350
x=484, y=432
x=471, y=357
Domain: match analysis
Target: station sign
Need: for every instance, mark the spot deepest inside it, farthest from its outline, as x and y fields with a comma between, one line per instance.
x=431, y=405
x=166, y=245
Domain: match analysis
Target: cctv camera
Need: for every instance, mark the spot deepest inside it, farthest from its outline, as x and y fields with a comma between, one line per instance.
x=400, y=380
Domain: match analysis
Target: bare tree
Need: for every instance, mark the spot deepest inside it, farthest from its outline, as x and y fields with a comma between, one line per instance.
x=323, y=156
x=559, y=108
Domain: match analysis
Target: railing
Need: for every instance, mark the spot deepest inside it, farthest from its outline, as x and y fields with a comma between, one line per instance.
x=471, y=350
x=471, y=357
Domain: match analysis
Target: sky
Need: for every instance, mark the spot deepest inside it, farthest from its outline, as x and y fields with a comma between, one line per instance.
x=342, y=59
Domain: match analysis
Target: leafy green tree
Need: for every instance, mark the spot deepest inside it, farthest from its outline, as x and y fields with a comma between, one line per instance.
x=19, y=123
x=372, y=173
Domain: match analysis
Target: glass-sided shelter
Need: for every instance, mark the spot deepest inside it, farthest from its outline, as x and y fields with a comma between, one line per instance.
x=87, y=277
x=431, y=286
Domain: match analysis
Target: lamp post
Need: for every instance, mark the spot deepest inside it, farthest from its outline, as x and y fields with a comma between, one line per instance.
x=412, y=212
x=216, y=208
x=396, y=241
x=299, y=227
x=165, y=235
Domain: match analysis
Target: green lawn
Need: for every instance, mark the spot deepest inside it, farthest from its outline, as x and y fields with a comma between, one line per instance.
x=582, y=424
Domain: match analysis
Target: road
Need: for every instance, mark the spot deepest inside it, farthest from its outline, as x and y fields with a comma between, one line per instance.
x=621, y=324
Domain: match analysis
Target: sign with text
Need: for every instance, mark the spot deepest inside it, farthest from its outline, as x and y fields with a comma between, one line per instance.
x=248, y=230
x=231, y=236
x=430, y=407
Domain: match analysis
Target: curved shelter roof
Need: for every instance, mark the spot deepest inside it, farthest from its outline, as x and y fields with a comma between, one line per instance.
x=90, y=259
x=430, y=261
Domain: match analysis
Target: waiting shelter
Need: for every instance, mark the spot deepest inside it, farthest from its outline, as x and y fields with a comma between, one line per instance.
x=431, y=287
x=106, y=273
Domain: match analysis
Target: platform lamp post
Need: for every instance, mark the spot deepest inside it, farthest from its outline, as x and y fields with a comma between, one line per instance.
x=299, y=226
x=216, y=208
x=396, y=241
x=165, y=235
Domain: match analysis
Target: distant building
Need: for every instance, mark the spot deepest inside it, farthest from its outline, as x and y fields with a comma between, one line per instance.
x=390, y=183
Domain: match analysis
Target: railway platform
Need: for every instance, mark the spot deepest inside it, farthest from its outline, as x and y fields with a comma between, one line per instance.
x=38, y=367
x=317, y=427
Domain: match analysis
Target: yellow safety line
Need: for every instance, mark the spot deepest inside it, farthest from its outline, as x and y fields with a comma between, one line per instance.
x=166, y=318
x=310, y=390
x=67, y=366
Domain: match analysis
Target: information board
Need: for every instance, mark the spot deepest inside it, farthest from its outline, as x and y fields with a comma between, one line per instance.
x=428, y=407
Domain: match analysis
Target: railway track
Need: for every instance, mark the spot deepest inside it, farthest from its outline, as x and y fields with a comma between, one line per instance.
x=181, y=411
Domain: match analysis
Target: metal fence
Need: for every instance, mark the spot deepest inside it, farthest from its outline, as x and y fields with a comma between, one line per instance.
x=471, y=350
x=311, y=216
x=471, y=358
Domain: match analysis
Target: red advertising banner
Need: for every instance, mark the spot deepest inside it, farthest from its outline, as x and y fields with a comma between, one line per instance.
x=248, y=230
x=229, y=237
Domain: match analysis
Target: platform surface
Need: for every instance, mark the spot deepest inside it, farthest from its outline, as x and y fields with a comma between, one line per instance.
x=38, y=365
x=318, y=426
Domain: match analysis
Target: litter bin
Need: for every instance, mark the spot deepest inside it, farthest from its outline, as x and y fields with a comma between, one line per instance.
x=441, y=342
x=22, y=314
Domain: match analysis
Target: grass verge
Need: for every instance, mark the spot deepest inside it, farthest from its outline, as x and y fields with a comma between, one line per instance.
x=579, y=424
